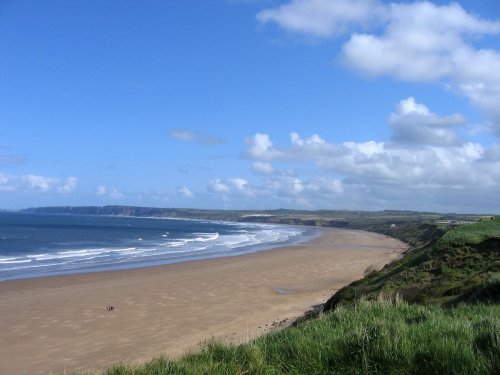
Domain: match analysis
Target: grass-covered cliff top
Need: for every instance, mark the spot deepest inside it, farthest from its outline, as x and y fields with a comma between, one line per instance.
x=472, y=234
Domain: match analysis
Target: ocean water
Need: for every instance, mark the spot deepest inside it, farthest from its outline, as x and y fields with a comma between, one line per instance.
x=34, y=245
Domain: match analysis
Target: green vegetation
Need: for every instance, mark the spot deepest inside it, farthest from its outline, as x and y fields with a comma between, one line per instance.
x=472, y=234
x=435, y=311
x=443, y=267
x=370, y=338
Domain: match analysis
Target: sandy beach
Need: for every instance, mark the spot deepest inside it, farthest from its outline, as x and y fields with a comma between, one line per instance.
x=61, y=324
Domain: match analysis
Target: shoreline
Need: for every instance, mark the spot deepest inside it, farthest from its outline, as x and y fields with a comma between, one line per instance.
x=307, y=234
x=143, y=265
x=60, y=323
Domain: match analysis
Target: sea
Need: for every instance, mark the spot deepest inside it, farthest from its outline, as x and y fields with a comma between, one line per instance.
x=36, y=245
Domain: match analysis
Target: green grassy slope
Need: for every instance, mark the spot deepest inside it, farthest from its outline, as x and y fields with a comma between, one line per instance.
x=472, y=234
x=443, y=267
x=373, y=338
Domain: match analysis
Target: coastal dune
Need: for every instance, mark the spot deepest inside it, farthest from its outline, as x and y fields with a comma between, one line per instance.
x=90, y=321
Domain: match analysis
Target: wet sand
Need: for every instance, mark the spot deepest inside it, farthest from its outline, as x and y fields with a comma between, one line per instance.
x=61, y=324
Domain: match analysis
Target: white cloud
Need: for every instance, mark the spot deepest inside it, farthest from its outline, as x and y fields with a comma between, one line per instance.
x=309, y=148
x=39, y=182
x=375, y=173
x=418, y=41
x=31, y=182
x=230, y=186
x=105, y=191
x=425, y=164
x=281, y=190
x=322, y=18
x=426, y=42
x=101, y=190
x=69, y=185
x=114, y=193
x=218, y=186
x=185, y=192
x=262, y=167
x=182, y=135
x=421, y=41
x=424, y=161
x=383, y=163
x=196, y=137
x=260, y=147
x=413, y=123
x=240, y=184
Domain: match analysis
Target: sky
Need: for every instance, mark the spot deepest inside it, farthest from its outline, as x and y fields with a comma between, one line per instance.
x=251, y=104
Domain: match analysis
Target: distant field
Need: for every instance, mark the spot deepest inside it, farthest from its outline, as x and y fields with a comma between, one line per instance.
x=369, y=220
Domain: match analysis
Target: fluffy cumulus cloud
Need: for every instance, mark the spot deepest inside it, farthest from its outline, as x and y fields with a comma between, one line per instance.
x=424, y=165
x=260, y=147
x=195, y=137
x=290, y=191
x=418, y=41
x=323, y=18
x=413, y=123
x=262, y=167
x=425, y=150
x=104, y=191
x=294, y=187
x=31, y=182
x=184, y=192
x=68, y=185
x=231, y=186
x=284, y=190
x=421, y=41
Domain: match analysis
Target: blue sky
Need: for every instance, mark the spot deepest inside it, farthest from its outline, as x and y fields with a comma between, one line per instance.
x=311, y=104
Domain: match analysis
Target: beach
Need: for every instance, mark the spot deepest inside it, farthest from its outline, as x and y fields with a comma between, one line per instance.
x=89, y=321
